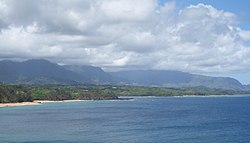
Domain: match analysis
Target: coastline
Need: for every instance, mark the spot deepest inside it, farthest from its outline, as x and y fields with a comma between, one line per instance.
x=18, y=104
x=39, y=102
x=35, y=102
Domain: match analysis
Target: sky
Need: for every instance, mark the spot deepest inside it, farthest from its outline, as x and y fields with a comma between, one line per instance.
x=197, y=36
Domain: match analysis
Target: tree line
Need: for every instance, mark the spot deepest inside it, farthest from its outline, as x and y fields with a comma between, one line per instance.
x=29, y=93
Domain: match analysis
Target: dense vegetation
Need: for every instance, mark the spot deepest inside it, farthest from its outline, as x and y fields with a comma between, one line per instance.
x=24, y=93
x=10, y=93
x=18, y=93
x=160, y=91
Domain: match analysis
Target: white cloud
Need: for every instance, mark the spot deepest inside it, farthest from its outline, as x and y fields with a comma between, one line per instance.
x=124, y=34
x=245, y=35
x=126, y=10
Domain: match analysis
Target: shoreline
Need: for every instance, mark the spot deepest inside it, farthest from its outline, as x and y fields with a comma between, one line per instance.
x=35, y=102
x=18, y=104
x=39, y=102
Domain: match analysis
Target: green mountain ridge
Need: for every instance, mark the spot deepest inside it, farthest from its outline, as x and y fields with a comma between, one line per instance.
x=176, y=79
x=43, y=72
x=95, y=74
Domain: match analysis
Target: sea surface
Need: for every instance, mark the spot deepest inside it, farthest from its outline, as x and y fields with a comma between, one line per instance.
x=213, y=119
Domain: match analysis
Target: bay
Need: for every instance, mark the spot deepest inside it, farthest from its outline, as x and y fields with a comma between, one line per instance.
x=188, y=119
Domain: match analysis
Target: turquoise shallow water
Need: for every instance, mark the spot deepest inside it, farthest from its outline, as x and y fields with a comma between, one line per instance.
x=142, y=120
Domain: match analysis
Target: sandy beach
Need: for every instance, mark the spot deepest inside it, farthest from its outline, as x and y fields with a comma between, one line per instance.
x=18, y=104
x=35, y=102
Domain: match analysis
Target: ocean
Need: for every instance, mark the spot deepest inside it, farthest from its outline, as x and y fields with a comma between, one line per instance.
x=191, y=119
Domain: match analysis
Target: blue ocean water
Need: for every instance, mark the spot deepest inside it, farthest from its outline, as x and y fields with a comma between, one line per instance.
x=141, y=120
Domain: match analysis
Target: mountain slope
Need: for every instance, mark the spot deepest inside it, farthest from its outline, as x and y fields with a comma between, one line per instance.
x=176, y=79
x=37, y=71
x=95, y=74
x=45, y=72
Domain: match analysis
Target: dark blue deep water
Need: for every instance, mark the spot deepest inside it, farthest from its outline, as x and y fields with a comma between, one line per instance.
x=142, y=120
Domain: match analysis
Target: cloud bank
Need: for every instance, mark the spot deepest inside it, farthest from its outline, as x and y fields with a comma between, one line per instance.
x=124, y=34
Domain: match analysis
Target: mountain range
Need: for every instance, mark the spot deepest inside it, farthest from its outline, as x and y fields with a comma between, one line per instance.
x=44, y=72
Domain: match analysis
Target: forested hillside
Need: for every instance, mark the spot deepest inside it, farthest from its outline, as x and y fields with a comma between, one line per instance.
x=28, y=93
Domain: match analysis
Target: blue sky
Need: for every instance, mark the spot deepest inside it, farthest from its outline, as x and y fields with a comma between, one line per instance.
x=239, y=7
